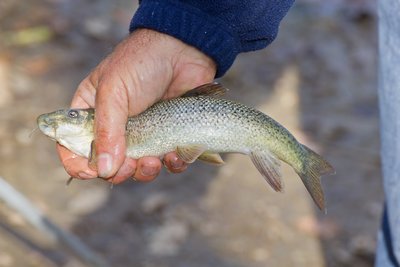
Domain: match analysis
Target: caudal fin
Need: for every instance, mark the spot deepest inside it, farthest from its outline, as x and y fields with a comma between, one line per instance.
x=314, y=167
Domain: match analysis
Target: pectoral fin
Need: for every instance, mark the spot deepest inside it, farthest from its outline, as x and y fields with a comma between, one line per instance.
x=92, y=157
x=212, y=158
x=190, y=153
x=208, y=89
x=269, y=166
x=68, y=182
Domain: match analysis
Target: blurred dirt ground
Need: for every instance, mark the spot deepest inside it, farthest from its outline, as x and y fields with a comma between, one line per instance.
x=318, y=79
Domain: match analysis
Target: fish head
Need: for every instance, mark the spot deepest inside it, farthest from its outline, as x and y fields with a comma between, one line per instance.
x=72, y=128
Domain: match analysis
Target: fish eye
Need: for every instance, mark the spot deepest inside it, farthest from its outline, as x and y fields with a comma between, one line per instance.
x=73, y=113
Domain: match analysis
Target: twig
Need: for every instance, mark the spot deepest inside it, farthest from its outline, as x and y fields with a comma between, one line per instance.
x=22, y=205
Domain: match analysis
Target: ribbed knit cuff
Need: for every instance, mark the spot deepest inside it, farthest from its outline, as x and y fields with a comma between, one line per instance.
x=192, y=26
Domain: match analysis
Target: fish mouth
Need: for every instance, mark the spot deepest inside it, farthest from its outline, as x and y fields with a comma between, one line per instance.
x=47, y=127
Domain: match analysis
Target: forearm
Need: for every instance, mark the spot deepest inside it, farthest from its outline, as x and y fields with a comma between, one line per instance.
x=220, y=29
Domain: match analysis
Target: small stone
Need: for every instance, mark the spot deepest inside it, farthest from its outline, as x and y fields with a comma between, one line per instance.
x=337, y=133
x=326, y=228
x=308, y=224
x=21, y=84
x=375, y=209
x=98, y=27
x=16, y=219
x=168, y=238
x=272, y=212
x=208, y=228
x=73, y=263
x=343, y=256
x=37, y=66
x=155, y=203
x=6, y=96
x=362, y=245
x=6, y=259
x=298, y=257
x=7, y=149
x=260, y=254
x=88, y=200
x=23, y=136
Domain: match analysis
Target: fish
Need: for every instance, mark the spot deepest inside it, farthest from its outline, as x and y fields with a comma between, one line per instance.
x=199, y=126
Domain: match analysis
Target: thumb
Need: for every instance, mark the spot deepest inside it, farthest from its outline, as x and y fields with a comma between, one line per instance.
x=110, y=120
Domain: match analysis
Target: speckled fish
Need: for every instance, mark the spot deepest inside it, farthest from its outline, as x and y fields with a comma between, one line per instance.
x=199, y=125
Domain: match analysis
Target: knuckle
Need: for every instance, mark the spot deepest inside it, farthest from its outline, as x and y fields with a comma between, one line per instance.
x=179, y=170
x=85, y=84
x=103, y=132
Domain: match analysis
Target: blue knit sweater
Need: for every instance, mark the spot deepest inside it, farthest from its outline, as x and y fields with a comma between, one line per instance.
x=219, y=28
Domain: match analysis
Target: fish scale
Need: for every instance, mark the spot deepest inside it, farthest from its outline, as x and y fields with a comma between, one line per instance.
x=216, y=123
x=199, y=126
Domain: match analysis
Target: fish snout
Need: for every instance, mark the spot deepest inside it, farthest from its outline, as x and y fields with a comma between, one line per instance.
x=45, y=123
x=42, y=120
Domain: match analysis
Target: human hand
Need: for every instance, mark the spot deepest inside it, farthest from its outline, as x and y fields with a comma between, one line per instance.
x=144, y=68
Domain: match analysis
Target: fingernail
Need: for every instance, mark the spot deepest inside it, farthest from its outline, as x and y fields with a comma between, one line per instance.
x=104, y=165
x=177, y=164
x=148, y=171
x=84, y=175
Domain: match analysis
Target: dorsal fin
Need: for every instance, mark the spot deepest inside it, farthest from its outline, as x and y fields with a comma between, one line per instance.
x=208, y=89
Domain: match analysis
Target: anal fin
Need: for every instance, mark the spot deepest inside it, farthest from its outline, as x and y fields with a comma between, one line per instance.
x=269, y=166
x=212, y=158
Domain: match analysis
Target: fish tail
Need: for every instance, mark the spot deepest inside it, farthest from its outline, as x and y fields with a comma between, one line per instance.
x=313, y=168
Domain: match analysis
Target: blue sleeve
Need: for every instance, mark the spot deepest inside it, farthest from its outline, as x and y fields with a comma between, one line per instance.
x=220, y=29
